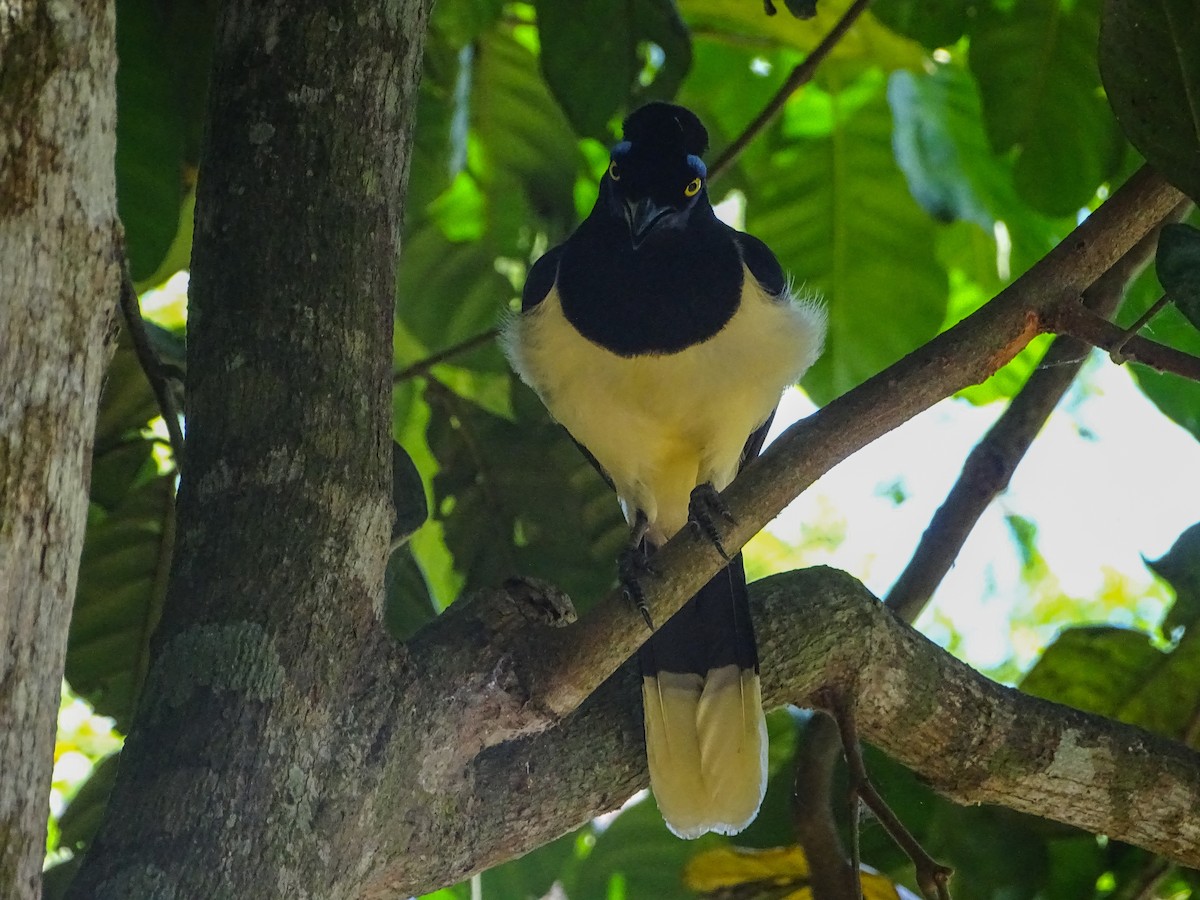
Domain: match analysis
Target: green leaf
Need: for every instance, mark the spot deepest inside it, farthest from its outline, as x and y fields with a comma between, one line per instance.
x=1118, y=673
x=636, y=856
x=837, y=212
x=1178, y=264
x=1176, y=397
x=1180, y=568
x=935, y=23
x=530, y=877
x=866, y=44
x=449, y=291
x=593, y=57
x=1036, y=66
x=518, y=498
x=1151, y=68
x=524, y=142
x=164, y=52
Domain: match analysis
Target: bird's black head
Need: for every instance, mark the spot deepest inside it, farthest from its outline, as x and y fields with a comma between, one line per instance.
x=655, y=177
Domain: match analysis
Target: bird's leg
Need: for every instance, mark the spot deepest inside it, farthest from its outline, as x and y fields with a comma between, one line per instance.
x=704, y=508
x=634, y=564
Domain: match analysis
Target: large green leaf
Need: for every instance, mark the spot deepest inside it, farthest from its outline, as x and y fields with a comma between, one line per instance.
x=523, y=140
x=518, y=498
x=1036, y=66
x=837, y=212
x=1180, y=567
x=1150, y=61
x=164, y=53
x=1119, y=673
x=935, y=23
x=1178, y=264
x=593, y=57
x=127, y=545
x=867, y=43
x=1176, y=397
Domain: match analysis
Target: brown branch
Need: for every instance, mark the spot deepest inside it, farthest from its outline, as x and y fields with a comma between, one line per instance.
x=1158, y=306
x=152, y=366
x=423, y=366
x=800, y=76
x=972, y=740
x=990, y=465
x=1077, y=321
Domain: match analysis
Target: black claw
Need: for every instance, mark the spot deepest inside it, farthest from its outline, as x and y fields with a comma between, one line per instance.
x=633, y=565
x=704, y=508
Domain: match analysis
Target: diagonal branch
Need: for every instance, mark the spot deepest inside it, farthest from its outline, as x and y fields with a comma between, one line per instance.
x=1080, y=322
x=991, y=464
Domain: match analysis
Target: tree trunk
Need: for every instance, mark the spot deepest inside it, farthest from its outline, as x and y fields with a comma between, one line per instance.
x=59, y=281
x=246, y=773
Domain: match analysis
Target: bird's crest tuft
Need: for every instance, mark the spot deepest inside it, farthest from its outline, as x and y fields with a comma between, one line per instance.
x=667, y=127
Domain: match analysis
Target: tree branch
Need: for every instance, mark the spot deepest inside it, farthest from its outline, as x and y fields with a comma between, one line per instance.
x=1079, y=322
x=151, y=365
x=422, y=366
x=990, y=465
x=800, y=76
x=973, y=740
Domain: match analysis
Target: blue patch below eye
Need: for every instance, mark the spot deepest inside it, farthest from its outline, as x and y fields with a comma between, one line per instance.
x=698, y=164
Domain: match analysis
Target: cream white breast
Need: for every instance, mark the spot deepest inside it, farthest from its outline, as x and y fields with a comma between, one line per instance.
x=662, y=424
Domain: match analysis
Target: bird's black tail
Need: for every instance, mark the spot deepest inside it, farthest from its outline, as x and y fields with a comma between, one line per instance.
x=706, y=737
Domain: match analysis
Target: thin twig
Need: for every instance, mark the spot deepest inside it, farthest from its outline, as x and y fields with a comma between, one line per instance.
x=1115, y=353
x=801, y=75
x=932, y=877
x=1076, y=320
x=424, y=365
x=152, y=366
x=989, y=468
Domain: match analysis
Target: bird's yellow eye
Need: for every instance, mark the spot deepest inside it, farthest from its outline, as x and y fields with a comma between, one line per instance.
x=693, y=188
x=613, y=172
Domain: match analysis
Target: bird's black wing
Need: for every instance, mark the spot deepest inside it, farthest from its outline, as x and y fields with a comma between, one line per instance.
x=761, y=262
x=540, y=279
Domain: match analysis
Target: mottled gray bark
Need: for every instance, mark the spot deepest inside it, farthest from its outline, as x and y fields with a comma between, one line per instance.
x=59, y=277
x=284, y=746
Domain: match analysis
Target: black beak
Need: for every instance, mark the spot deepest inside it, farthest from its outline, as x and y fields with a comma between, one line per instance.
x=642, y=216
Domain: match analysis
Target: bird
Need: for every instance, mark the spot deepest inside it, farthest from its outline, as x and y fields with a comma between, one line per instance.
x=662, y=339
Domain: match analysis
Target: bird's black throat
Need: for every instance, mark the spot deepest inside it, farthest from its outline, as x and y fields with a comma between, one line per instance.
x=668, y=294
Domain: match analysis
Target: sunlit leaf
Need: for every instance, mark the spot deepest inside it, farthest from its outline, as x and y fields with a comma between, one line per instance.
x=1119, y=673
x=1151, y=69
x=1035, y=62
x=728, y=868
x=866, y=43
x=838, y=214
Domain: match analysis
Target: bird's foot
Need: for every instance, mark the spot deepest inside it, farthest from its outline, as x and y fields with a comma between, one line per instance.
x=632, y=566
x=705, y=507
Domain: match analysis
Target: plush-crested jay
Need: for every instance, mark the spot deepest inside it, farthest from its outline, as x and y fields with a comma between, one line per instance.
x=661, y=339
